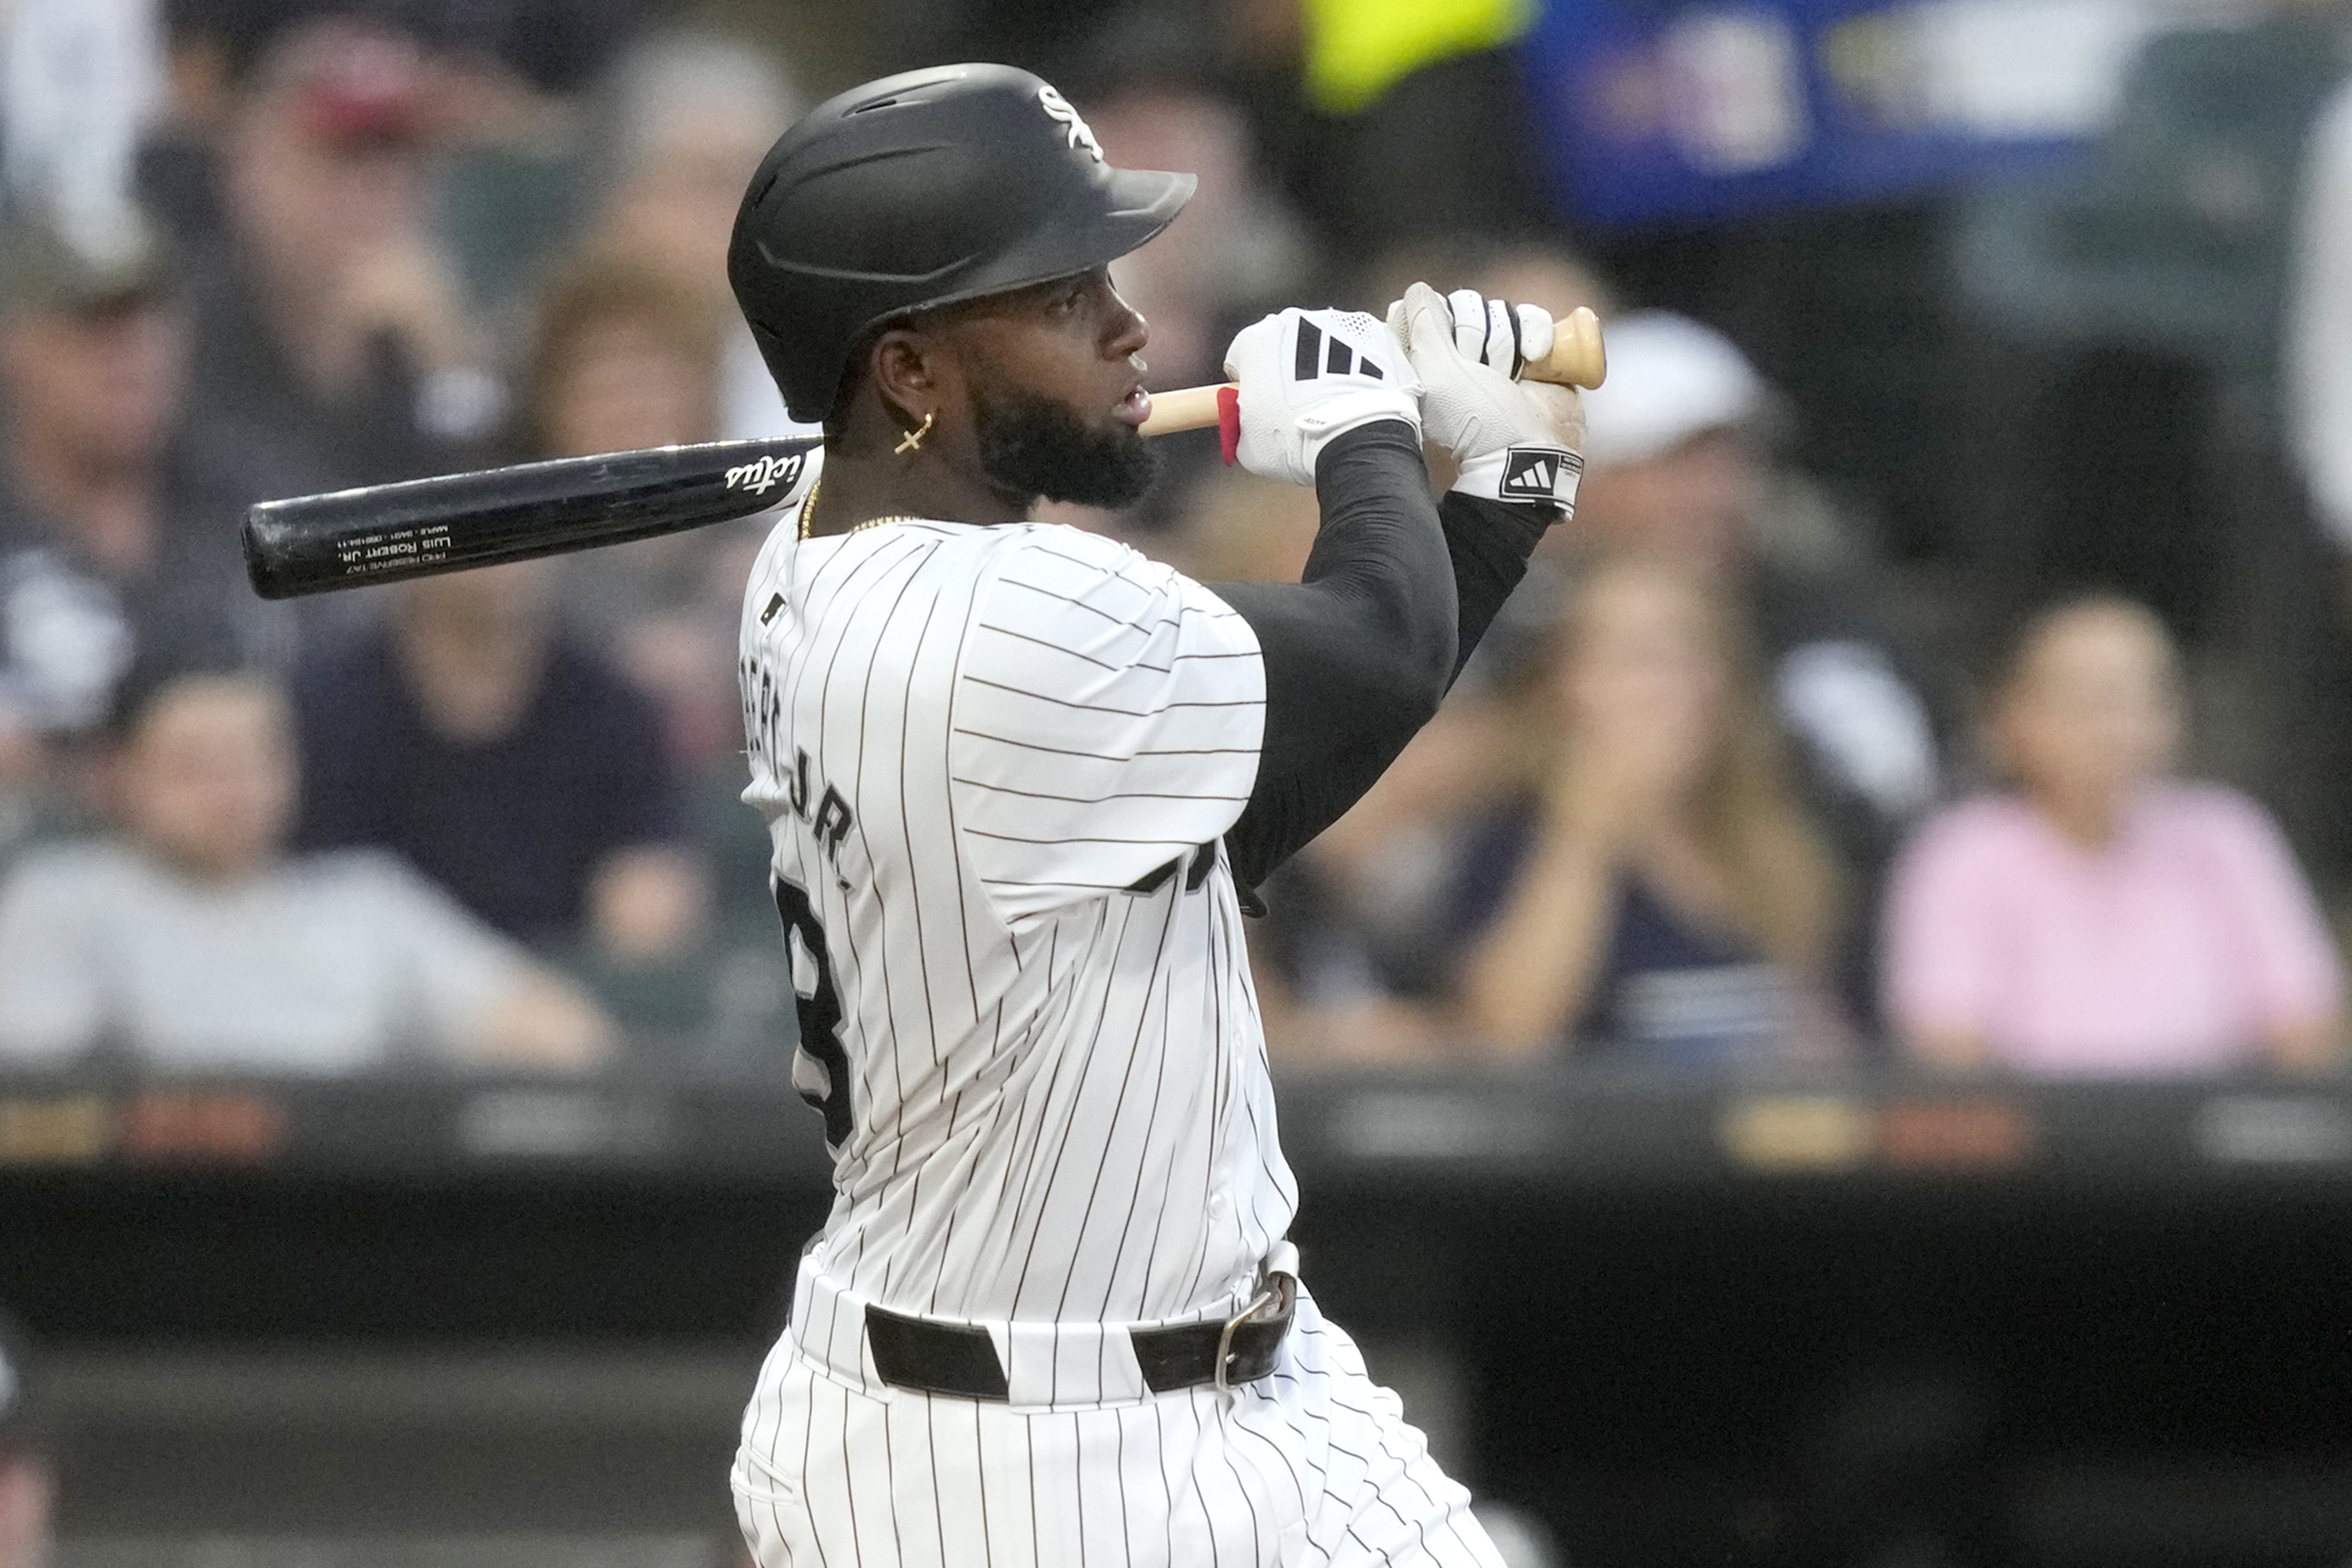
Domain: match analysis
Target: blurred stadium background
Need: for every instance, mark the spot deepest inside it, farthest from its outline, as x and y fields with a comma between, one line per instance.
x=1830, y=1052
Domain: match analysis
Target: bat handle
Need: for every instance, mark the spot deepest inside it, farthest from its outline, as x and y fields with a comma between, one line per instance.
x=1185, y=408
x=1578, y=358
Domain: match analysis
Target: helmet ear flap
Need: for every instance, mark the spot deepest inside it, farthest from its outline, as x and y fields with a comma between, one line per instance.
x=854, y=371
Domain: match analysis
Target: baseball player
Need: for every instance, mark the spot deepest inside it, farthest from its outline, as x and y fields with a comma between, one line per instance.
x=1021, y=783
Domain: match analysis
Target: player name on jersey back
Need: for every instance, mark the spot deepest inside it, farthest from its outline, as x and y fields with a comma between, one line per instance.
x=997, y=765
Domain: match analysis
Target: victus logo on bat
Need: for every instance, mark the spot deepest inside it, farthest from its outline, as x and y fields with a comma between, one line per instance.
x=763, y=474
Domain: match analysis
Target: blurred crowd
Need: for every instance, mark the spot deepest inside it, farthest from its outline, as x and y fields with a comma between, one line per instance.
x=1725, y=790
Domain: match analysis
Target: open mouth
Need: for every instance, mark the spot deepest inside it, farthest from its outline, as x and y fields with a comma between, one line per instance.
x=1134, y=408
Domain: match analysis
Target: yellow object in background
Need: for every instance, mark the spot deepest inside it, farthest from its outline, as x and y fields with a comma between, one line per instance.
x=1357, y=49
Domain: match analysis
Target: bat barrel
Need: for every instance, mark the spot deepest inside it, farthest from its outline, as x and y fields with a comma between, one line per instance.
x=385, y=533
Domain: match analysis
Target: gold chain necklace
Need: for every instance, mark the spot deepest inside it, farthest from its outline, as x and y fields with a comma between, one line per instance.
x=808, y=515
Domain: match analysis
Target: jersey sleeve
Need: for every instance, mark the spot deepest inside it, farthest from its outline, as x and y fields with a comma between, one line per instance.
x=1107, y=719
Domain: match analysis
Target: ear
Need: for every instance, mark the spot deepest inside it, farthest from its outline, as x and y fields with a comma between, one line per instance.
x=907, y=369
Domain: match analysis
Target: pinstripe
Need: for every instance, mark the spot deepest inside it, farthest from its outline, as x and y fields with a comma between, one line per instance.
x=1289, y=1469
x=1045, y=1105
x=852, y=1020
x=1126, y=1079
x=1121, y=713
x=808, y=1440
x=1062, y=1144
x=890, y=1479
x=1257, y=1532
x=963, y=908
x=772, y=1413
x=1182, y=610
x=1219, y=956
x=1039, y=547
x=1050, y=647
x=1120, y=621
x=775, y=1513
x=914, y=861
x=846, y=1457
x=987, y=1534
x=874, y=884
x=1095, y=799
x=1135, y=1194
x=1037, y=1547
x=1208, y=1514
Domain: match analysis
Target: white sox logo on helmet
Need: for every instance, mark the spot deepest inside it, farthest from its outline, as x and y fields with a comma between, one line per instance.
x=1058, y=109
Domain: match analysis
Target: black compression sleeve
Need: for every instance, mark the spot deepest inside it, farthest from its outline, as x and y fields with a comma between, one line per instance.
x=1358, y=653
x=1489, y=542
x=1332, y=729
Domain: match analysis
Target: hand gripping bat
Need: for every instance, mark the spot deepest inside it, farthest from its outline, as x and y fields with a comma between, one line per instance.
x=384, y=533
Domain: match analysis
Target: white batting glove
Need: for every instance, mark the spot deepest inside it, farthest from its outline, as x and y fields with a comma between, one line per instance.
x=1514, y=444
x=1309, y=375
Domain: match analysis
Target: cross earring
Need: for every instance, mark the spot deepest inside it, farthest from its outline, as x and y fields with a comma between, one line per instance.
x=914, y=439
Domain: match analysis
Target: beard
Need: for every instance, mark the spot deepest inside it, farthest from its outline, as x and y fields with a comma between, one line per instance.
x=1031, y=446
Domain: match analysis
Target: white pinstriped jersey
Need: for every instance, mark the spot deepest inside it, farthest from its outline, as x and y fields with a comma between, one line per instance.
x=997, y=763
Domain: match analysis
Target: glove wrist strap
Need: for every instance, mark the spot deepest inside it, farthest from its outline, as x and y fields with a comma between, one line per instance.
x=1336, y=415
x=1524, y=475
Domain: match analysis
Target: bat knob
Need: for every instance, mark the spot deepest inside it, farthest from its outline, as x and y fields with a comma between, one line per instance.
x=1578, y=357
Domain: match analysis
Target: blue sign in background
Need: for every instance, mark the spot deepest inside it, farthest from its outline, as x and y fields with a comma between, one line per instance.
x=1658, y=109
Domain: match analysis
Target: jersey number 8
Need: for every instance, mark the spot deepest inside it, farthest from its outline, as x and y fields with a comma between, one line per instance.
x=821, y=1066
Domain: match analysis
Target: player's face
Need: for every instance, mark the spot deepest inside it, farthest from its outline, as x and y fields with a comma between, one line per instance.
x=1055, y=375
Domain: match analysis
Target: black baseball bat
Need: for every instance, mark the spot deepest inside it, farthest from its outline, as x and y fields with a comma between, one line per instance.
x=384, y=533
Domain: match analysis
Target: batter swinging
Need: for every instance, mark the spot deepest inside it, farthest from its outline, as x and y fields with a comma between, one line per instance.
x=1021, y=782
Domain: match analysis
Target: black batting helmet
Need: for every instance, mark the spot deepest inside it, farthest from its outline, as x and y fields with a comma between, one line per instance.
x=924, y=189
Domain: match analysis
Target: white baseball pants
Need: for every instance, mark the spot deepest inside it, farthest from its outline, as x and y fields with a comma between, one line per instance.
x=1312, y=1465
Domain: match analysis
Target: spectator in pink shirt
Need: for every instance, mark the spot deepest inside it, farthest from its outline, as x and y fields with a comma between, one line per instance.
x=2101, y=918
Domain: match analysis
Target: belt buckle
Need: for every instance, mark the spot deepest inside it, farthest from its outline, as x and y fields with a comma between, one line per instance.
x=1271, y=1296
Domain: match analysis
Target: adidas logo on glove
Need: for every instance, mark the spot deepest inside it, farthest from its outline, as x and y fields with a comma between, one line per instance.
x=1546, y=474
x=1307, y=377
x=1314, y=359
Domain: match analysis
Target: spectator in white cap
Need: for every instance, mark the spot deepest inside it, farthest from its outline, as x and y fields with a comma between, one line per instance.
x=1673, y=451
x=1678, y=460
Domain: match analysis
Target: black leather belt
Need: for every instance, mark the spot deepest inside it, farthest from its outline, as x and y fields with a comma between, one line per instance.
x=959, y=1359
